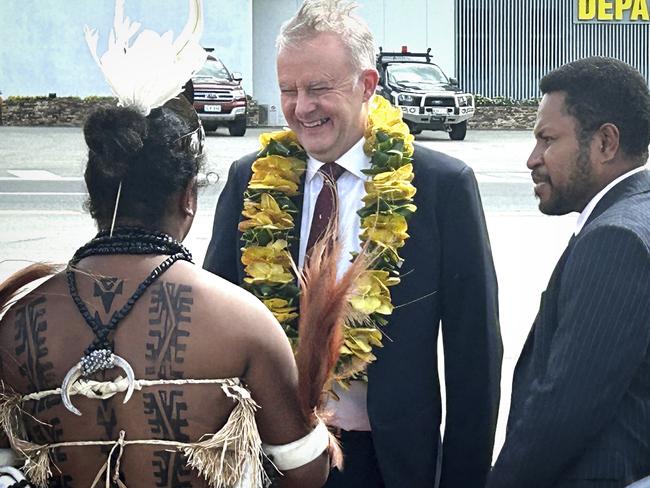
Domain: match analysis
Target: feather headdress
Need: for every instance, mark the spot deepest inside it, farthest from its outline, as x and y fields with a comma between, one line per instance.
x=154, y=68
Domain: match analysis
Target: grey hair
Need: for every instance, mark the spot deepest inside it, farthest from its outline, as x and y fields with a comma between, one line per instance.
x=331, y=16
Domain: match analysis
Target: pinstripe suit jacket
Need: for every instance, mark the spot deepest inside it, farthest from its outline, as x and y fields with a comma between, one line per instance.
x=580, y=412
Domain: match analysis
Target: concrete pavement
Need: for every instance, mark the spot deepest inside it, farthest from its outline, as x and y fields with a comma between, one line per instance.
x=42, y=192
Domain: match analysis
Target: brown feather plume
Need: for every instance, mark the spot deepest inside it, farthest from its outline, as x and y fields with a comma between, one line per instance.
x=16, y=281
x=324, y=308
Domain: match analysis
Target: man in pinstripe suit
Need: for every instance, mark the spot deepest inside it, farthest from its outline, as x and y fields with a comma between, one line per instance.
x=580, y=411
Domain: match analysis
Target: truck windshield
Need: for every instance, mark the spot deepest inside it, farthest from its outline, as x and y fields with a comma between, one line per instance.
x=214, y=69
x=415, y=74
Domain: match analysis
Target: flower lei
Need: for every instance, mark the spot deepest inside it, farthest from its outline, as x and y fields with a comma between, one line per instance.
x=269, y=224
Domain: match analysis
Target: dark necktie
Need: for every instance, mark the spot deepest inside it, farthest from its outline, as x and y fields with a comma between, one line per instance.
x=326, y=207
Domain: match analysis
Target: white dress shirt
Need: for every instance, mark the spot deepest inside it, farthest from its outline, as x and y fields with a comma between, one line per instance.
x=586, y=212
x=350, y=412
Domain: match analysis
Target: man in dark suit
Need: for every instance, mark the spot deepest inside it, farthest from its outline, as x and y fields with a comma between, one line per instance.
x=390, y=427
x=580, y=412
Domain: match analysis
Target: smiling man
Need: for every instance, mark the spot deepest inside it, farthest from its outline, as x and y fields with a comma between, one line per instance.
x=580, y=411
x=324, y=96
x=389, y=425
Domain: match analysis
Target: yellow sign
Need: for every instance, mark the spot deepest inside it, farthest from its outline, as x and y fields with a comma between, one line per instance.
x=621, y=11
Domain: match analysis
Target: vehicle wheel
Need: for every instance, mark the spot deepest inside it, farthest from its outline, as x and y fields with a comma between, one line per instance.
x=209, y=128
x=237, y=128
x=458, y=131
x=413, y=128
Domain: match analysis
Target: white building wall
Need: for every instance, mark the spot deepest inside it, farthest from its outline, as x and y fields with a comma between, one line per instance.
x=229, y=30
x=418, y=24
x=242, y=33
x=42, y=46
x=268, y=16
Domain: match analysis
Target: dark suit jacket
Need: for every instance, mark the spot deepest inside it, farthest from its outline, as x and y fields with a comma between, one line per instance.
x=580, y=410
x=448, y=275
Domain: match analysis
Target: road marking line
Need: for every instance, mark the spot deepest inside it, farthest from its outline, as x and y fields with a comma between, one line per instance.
x=33, y=174
x=483, y=178
x=73, y=212
x=42, y=175
x=514, y=213
x=42, y=193
x=41, y=212
x=20, y=241
x=507, y=175
x=57, y=179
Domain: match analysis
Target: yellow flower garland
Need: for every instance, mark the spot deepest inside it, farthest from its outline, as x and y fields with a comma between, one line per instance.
x=269, y=224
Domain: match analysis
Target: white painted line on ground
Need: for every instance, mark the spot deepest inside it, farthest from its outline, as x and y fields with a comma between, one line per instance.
x=508, y=176
x=42, y=193
x=512, y=213
x=482, y=178
x=41, y=212
x=43, y=175
x=40, y=175
x=58, y=178
x=33, y=174
x=515, y=213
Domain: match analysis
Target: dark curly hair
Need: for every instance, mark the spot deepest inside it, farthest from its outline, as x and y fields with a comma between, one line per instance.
x=151, y=156
x=603, y=90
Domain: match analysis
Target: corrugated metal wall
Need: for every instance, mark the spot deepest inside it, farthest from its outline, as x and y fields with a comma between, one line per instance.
x=503, y=47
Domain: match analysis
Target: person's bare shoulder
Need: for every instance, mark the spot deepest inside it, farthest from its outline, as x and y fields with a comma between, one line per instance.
x=51, y=287
x=234, y=305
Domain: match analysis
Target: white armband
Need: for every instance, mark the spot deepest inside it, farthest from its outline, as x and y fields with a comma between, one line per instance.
x=300, y=452
x=11, y=477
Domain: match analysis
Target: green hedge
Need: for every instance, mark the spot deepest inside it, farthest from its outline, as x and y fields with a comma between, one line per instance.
x=90, y=99
x=252, y=103
x=505, y=102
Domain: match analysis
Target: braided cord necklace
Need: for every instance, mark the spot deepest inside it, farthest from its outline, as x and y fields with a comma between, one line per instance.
x=125, y=240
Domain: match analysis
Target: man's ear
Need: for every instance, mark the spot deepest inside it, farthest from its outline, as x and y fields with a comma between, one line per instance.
x=607, y=142
x=369, y=79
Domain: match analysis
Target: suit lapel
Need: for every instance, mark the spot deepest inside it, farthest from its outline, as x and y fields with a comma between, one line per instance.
x=536, y=349
x=637, y=183
x=553, y=283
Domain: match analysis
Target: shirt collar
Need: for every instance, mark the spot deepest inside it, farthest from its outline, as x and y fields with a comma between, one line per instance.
x=353, y=161
x=584, y=215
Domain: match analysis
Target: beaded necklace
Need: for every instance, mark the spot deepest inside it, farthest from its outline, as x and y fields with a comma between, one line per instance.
x=124, y=240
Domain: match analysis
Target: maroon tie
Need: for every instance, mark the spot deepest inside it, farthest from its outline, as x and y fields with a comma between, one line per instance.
x=326, y=207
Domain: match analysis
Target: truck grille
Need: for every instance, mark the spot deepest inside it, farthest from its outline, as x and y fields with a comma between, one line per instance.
x=439, y=102
x=213, y=96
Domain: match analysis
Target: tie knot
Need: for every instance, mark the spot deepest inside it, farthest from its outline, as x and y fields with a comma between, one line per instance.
x=332, y=171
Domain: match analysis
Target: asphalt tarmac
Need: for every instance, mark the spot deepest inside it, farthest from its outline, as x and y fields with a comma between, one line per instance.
x=42, y=216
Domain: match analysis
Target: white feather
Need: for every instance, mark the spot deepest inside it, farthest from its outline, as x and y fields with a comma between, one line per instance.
x=154, y=68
